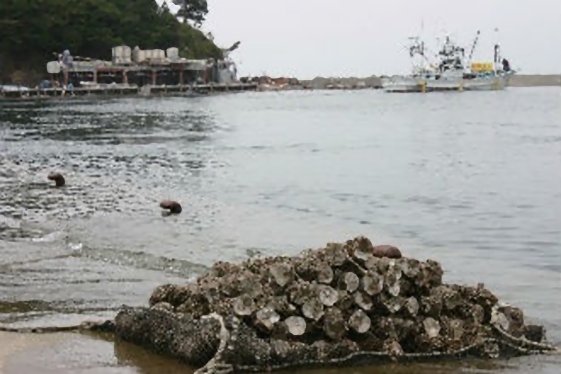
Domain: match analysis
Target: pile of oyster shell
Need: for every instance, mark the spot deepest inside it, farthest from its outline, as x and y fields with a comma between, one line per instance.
x=369, y=296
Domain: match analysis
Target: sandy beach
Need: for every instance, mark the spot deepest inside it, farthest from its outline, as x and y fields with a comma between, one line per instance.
x=78, y=353
x=13, y=344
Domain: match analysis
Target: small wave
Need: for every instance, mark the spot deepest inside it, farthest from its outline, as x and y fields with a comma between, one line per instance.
x=38, y=313
x=50, y=237
x=140, y=260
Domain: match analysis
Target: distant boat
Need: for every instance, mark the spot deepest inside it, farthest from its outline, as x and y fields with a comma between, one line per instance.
x=450, y=71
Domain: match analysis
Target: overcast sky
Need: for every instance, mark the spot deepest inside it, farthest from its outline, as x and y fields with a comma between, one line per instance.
x=307, y=38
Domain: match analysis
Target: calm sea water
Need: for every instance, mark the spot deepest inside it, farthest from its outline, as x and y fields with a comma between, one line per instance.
x=471, y=180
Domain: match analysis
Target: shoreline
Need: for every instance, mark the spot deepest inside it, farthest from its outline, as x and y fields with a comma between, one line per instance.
x=257, y=84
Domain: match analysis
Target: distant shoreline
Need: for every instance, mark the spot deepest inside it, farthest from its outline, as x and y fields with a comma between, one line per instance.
x=267, y=84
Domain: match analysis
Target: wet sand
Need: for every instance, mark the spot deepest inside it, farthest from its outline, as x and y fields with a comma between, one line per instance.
x=12, y=344
x=68, y=353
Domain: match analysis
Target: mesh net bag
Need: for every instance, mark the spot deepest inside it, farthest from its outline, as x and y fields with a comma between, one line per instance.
x=342, y=305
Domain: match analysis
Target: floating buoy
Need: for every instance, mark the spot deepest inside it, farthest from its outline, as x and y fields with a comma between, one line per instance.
x=58, y=178
x=172, y=206
x=386, y=251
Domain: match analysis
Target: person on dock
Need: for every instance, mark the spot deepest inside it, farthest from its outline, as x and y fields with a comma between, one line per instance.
x=66, y=61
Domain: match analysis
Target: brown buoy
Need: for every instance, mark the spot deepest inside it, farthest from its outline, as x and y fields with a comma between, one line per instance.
x=172, y=206
x=386, y=251
x=57, y=177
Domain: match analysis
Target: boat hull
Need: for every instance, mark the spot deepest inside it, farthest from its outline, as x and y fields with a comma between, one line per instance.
x=476, y=84
x=411, y=84
x=436, y=85
x=402, y=84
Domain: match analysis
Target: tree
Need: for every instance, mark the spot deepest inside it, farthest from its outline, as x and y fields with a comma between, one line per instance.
x=32, y=30
x=192, y=10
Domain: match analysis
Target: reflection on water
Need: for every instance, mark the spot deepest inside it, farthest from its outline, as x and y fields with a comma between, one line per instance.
x=470, y=180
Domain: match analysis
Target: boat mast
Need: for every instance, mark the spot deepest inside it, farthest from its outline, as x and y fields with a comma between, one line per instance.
x=417, y=47
x=496, y=52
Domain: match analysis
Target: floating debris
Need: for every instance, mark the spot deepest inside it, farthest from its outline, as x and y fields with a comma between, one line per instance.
x=58, y=178
x=173, y=206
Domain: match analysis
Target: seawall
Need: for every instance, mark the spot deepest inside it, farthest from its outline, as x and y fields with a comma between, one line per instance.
x=535, y=80
x=517, y=80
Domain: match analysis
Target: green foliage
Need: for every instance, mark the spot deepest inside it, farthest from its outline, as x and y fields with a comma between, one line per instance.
x=193, y=10
x=31, y=30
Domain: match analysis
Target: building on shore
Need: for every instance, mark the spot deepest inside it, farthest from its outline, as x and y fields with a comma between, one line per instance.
x=133, y=72
x=140, y=67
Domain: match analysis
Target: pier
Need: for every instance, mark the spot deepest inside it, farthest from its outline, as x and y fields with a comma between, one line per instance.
x=133, y=72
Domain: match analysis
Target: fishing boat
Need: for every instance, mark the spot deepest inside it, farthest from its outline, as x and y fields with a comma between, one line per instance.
x=451, y=70
x=485, y=76
x=456, y=72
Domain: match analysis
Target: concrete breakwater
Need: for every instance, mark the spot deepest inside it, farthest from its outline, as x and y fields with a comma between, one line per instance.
x=517, y=80
x=344, y=83
x=535, y=80
x=267, y=83
x=375, y=82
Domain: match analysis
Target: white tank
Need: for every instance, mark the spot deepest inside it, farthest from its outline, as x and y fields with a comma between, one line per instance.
x=53, y=67
x=136, y=55
x=141, y=56
x=172, y=52
x=127, y=52
x=159, y=54
x=117, y=54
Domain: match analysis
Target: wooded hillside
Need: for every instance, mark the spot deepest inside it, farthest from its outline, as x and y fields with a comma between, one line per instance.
x=31, y=30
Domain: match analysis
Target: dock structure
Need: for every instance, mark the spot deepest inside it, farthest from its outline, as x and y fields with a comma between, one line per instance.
x=133, y=72
x=146, y=74
x=141, y=67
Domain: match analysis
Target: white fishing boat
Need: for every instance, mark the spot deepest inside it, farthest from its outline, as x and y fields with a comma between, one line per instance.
x=456, y=72
x=451, y=71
